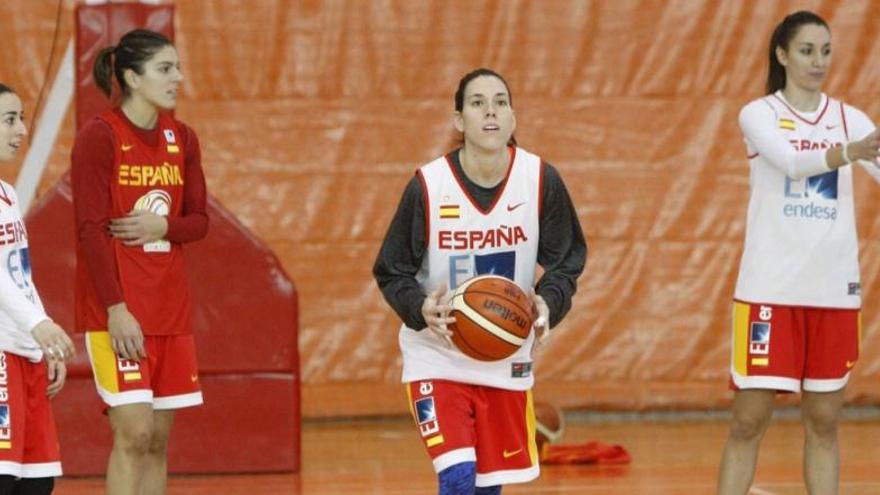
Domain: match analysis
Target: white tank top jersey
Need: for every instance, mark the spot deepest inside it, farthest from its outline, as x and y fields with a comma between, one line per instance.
x=801, y=246
x=20, y=306
x=465, y=241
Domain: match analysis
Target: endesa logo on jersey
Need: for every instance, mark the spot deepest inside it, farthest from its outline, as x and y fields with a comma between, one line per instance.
x=18, y=265
x=166, y=174
x=815, y=196
x=465, y=266
x=502, y=236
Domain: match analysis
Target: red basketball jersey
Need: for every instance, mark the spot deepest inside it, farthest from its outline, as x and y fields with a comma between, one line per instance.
x=152, y=276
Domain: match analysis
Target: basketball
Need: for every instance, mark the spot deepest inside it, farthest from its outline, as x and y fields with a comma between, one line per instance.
x=549, y=424
x=493, y=317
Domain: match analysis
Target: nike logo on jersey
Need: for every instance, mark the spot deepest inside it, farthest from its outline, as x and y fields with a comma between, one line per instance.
x=513, y=207
x=508, y=455
x=850, y=364
x=829, y=127
x=194, y=378
x=126, y=147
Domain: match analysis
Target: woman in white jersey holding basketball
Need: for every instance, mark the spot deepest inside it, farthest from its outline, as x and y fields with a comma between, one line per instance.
x=796, y=309
x=475, y=417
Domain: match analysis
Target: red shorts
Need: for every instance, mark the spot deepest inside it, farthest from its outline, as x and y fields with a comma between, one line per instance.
x=790, y=348
x=28, y=439
x=471, y=423
x=168, y=378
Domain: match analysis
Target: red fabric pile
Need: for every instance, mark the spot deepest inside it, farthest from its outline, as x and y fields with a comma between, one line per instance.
x=591, y=452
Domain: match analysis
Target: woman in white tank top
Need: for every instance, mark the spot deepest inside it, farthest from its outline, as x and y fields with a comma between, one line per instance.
x=797, y=298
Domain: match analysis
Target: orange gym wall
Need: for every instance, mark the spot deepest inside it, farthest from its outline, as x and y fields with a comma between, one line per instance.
x=312, y=116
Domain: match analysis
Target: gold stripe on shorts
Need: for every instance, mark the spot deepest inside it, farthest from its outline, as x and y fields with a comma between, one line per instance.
x=409, y=401
x=103, y=361
x=741, y=337
x=531, y=426
x=859, y=345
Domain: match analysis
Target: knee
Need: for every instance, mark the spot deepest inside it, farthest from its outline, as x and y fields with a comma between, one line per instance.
x=133, y=439
x=822, y=424
x=158, y=443
x=748, y=427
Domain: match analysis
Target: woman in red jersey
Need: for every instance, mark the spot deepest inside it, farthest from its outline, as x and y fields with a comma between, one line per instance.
x=139, y=194
x=32, y=347
x=797, y=303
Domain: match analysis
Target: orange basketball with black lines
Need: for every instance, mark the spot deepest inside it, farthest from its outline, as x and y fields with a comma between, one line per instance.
x=493, y=317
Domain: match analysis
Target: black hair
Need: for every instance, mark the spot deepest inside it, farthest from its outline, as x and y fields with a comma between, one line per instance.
x=133, y=50
x=782, y=36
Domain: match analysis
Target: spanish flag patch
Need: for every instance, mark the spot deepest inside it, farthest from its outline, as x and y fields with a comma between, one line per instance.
x=786, y=124
x=171, y=141
x=450, y=211
x=129, y=377
x=434, y=441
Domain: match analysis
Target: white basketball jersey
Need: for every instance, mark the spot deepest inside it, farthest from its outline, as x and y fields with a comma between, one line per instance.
x=801, y=247
x=465, y=241
x=20, y=305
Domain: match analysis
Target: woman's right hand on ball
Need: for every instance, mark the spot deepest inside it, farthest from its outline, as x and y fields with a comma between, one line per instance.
x=435, y=310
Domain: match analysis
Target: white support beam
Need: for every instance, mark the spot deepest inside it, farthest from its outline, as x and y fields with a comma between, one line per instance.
x=47, y=130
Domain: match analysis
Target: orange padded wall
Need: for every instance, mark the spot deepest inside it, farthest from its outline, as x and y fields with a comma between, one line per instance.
x=314, y=114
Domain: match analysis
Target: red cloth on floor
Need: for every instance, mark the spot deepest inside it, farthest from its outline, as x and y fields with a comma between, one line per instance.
x=584, y=453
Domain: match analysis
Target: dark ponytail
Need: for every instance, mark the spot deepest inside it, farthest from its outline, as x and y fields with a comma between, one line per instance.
x=133, y=50
x=782, y=36
x=103, y=70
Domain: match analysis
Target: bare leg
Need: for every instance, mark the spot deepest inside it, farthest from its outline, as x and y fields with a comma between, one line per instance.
x=819, y=412
x=156, y=465
x=752, y=410
x=132, y=429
